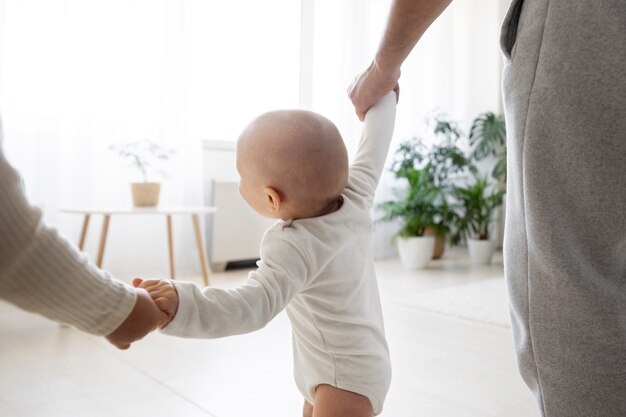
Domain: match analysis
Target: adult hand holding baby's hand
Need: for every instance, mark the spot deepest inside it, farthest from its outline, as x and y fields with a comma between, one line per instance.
x=371, y=85
x=164, y=295
x=144, y=318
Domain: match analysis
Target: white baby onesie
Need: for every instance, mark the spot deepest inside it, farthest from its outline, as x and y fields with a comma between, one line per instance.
x=322, y=271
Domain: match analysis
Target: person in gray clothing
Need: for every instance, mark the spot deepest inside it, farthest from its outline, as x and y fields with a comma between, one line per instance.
x=565, y=235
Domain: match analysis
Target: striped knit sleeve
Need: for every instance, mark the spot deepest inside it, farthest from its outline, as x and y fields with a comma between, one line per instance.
x=43, y=273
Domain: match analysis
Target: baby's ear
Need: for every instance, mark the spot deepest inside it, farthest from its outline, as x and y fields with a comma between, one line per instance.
x=272, y=199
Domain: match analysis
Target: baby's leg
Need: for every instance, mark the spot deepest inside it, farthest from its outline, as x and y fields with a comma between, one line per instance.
x=307, y=410
x=335, y=402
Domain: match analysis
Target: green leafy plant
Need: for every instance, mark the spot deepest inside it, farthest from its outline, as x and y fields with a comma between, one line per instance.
x=445, y=158
x=477, y=203
x=488, y=138
x=145, y=156
x=433, y=200
x=416, y=206
x=442, y=159
x=438, y=162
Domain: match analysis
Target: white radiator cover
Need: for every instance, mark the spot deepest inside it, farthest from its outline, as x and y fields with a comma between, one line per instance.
x=235, y=231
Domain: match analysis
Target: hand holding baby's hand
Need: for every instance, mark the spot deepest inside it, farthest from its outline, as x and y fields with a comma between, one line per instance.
x=144, y=318
x=163, y=293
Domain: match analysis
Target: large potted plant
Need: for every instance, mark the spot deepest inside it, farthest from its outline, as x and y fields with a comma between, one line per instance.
x=145, y=156
x=477, y=202
x=416, y=210
x=443, y=161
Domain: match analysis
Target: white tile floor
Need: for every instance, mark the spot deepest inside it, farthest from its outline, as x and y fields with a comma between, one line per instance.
x=443, y=366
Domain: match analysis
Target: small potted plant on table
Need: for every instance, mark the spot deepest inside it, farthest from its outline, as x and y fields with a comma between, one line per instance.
x=144, y=156
x=478, y=203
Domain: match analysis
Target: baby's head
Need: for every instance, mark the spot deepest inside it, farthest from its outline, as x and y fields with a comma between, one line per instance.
x=292, y=163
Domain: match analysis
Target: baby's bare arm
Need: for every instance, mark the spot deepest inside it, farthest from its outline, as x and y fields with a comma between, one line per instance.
x=163, y=293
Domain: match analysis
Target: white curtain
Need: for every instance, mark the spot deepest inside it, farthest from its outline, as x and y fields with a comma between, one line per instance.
x=455, y=69
x=79, y=75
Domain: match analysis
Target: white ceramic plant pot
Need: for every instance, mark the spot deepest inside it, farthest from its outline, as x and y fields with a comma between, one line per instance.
x=415, y=252
x=480, y=251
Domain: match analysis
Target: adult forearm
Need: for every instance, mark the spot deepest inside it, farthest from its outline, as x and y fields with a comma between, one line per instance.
x=408, y=20
x=41, y=272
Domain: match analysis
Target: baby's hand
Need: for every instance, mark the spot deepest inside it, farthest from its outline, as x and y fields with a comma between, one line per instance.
x=164, y=294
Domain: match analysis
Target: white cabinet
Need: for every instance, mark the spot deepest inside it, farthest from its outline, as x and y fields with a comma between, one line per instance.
x=234, y=232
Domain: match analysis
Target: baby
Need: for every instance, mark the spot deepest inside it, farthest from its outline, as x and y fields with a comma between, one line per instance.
x=316, y=261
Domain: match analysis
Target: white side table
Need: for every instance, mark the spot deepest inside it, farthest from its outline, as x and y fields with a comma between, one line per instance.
x=168, y=212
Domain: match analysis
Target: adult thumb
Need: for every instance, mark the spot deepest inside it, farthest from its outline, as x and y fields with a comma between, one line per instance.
x=137, y=282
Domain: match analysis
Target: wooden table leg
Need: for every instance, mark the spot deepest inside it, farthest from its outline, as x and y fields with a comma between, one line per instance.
x=83, y=232
x=200, y=244
x=170, y=244
x=103, y=239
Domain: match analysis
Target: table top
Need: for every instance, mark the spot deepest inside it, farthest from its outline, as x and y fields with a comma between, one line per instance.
x=163, y=210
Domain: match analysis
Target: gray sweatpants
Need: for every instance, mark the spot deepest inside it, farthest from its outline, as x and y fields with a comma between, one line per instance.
x=565, y=236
